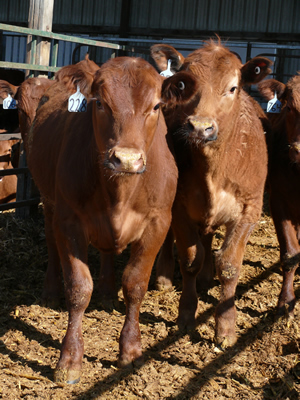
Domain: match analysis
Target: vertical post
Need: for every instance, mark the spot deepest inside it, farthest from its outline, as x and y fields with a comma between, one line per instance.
x=38, y=52
x=40, y=17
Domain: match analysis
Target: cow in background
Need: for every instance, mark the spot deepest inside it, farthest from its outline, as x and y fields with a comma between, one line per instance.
x=107, y=177
x=221, y=155
x=284, y=180
x=9, y=158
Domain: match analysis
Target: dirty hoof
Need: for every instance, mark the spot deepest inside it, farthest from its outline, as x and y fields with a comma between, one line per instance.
x=186, y=322
x=223, y=342
x=128, y=362
x=63, y=375
x=50, y=302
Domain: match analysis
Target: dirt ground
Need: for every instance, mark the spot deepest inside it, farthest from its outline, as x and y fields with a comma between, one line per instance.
x=264, y=364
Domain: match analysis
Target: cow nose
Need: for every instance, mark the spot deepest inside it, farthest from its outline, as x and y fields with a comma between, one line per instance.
x=204, y=128
x=127, y=160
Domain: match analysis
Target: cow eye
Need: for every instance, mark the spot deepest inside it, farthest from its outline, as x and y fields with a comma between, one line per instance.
x=155, y=108
x=98, y=103
x=181, y=85
x=233, y=89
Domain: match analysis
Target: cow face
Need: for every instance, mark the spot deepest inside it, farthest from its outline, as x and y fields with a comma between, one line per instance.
x=202, y=98
x=289, y=96
x=126, y=113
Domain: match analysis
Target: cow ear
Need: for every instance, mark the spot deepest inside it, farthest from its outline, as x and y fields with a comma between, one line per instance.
x=179, y=89
x=161, y=53
x=7, y=88
x=268, y=88
x=255, y=70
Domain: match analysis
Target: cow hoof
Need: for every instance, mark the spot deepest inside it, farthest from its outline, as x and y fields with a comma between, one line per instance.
x=63, y=375
x=223, y=342
x=186, y=322
x=128, y=362
x=49, y=302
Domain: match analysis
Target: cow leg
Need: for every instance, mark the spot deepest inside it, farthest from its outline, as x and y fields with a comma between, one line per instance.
x=191, y=256
x=106, y=289
x=289, y=256
x=52, y=284
x=72, y=247
x=165, y=263
x=135, y=284
x=228, y=265
x=205, y=277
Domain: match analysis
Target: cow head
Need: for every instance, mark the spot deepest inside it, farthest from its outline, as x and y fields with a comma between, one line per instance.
x=202, y=97
x=126, y=113
x=289, y=96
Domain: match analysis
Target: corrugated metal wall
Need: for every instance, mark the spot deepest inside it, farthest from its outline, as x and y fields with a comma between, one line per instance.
x=241, y=19
x=184, y=23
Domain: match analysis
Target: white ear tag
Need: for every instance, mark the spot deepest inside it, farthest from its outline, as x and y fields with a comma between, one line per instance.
x=167, y=72
x=9, y=103
x=77, y=102
x=274, y=105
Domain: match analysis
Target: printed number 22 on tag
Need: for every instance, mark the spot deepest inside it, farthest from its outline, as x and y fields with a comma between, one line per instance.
x=9, y=103
x=274, y=105
x=77, y=102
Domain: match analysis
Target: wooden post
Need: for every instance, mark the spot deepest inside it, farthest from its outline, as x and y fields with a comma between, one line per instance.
x=40, y=17
x=38, y=52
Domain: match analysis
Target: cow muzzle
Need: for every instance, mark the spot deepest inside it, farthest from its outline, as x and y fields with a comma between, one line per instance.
x=203, y=129
x=129, y=160
x=294, y=152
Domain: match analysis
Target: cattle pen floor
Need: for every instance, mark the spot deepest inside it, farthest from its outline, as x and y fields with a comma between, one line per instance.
x=264, y=364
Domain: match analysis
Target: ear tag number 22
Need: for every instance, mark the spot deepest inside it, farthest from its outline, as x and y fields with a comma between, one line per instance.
x=167, y=72
x=77, y=102
x=9, y=103
x=274, y=105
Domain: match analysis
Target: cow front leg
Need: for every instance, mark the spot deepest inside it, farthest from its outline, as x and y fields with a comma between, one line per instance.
x=78, y=289
x=165, y=263
x=191, y=256
x=135, y=284
x=205, y=277
x=289, y=256
x=107, y=291
x=52, y=285
x=228, y=265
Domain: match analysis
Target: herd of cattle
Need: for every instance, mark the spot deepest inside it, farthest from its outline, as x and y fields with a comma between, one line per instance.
x=153, y=160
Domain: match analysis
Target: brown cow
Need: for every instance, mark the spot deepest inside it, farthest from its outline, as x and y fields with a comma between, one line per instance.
x=284, y=179
x=8, y=183
x=221, y=155
x=28, y=95
x=107, y=178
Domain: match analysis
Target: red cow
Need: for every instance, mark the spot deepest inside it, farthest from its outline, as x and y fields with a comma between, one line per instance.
x=8, y=183
x=107, y=178
x=284, y=179
x=221, y=156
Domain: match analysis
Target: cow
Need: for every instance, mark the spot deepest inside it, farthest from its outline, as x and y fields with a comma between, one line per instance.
x=221, y=154
x=107, y=177
x=283, y=180
x=8, y=160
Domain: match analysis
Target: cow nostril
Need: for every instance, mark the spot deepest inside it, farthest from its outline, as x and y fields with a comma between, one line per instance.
x=210, y=129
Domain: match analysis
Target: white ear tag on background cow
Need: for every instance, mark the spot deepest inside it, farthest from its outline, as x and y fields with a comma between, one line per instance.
x=9, y=103
x=274, y=105
x=77, y=102
x=167, y=72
